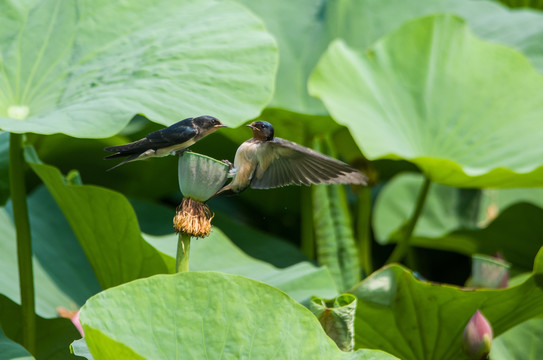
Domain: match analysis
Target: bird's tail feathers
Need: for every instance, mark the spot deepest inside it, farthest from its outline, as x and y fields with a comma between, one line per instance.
x=128, y=159
x=225, y=191
x=116, y=155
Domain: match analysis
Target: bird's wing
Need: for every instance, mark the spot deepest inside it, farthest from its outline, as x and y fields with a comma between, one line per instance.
x=175, y=134
x=289, y=163
x=136, y=147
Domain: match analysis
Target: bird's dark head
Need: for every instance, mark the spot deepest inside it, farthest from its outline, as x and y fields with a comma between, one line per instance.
x=262, y=130
x=207, y=124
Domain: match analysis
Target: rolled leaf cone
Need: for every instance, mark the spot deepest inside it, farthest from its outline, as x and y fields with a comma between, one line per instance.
x=200, y=177
x=337, y=318
x=489, y=272
x=477, y=337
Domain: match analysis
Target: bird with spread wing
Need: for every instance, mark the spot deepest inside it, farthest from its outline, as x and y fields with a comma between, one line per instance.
x=266, y=161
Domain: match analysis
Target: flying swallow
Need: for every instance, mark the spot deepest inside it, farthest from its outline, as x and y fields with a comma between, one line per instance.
x=265, y=162
x=166, y=141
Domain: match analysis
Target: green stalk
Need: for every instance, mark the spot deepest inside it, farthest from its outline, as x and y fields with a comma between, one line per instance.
x=183, y=251
x=403, y=245
x=24, y=244
x=308, y=240
x=346, y=243
x=363, y=227
x=325, y=236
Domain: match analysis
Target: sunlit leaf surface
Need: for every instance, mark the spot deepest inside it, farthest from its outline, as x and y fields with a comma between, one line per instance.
x=304, y=29
x=198, y=315
x=84, y=68
x=470, y=119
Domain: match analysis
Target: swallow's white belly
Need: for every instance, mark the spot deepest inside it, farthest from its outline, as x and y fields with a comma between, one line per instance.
x=245, y=162
x=166, y=150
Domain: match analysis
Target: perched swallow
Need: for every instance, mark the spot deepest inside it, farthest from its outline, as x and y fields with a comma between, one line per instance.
x=265, y=162
x=166, y=141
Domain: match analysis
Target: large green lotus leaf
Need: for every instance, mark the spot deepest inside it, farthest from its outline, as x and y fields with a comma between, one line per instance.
x=106, y=227
x=442, y=225
x=362, y=22
x=303, y=30
x=218, y=253
x=10, y=350
x=419, y=320
x=302, y=37
x=84, y=68
x=186, y=316
x=523, y=342
x=62, y=274
x=457, y=117
x=53, y=336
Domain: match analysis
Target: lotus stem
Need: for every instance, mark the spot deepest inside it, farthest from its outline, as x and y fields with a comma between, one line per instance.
x=24, y=244
x=403, y=245
x=308, y=238
x=363, y=230
x=183, y=251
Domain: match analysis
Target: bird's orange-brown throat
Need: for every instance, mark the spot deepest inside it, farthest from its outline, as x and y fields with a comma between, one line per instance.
x=259, y=134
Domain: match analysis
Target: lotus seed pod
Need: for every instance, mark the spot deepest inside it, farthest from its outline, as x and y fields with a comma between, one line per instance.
x=200, y=176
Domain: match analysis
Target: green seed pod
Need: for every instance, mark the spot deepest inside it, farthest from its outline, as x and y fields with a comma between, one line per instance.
x=200, y=176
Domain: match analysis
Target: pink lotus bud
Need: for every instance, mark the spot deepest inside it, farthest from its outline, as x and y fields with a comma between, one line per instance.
x=477, y=337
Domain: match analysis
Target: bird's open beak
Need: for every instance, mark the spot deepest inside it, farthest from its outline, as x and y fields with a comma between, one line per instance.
x=221, y=125
x=251, y=125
